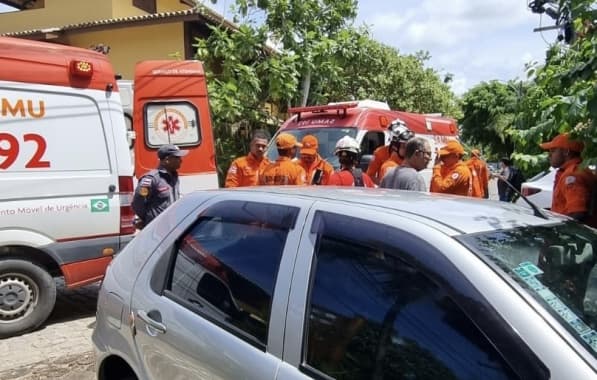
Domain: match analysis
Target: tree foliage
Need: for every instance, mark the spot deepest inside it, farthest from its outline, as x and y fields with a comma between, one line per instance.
x=559, y=96
x=302, y=52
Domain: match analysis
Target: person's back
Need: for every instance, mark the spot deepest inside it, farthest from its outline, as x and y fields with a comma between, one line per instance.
x=347, y=150
x=283, y=171
x=480, y=176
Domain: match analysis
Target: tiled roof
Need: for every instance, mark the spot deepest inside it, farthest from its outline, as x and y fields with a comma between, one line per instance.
x=199, y=12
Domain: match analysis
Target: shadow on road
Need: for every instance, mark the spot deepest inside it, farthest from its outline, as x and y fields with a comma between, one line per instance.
x=72, y=304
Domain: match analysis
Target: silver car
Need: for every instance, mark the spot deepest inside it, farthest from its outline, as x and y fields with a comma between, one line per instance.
x=347, y=283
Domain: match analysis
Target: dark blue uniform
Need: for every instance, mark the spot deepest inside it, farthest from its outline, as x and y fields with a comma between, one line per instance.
x=156, y=190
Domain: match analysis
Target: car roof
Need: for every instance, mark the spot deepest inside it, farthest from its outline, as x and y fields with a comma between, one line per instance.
x=451, y=214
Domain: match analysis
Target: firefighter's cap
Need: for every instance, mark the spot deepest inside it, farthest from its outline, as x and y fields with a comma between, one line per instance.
x=286, y=141
x=452, y=146
x=563, y=141
x=310, y=145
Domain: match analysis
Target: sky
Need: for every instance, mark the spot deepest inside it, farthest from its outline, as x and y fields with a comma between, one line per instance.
x=474, y=40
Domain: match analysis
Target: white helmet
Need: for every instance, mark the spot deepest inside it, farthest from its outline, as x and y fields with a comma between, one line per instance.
x=347, y=144
x=399, y=131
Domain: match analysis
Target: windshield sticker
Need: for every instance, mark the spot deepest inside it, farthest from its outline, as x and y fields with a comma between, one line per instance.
x=527, y=272
x=531, y=268
x=591, y=339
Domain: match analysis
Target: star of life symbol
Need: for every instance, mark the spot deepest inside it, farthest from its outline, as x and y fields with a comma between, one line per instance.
x=171, y=124
x=170, y=121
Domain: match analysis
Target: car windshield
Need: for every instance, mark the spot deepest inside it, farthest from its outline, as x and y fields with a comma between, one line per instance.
x=326, y=137
x=553, y=264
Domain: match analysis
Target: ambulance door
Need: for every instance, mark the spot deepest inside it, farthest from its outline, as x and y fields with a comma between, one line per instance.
x=57, y=175
x=171, y=107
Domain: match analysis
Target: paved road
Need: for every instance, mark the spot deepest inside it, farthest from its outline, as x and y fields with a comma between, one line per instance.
x=61, y=349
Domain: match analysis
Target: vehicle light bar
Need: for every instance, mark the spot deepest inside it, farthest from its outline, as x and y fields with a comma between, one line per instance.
x=323, y=108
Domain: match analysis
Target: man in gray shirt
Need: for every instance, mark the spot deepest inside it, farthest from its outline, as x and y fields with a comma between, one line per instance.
x=406, y=176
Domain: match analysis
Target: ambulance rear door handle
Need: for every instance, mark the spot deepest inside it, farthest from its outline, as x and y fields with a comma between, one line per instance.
x=112, y=188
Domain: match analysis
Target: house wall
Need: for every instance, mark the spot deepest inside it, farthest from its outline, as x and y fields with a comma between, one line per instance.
x=133, y=44
x=58, y=13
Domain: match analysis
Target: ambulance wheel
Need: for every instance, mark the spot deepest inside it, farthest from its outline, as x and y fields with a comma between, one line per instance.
x=27, y=296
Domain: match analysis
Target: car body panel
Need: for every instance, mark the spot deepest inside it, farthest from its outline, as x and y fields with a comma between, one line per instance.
x=197, y=347
x=539, y=189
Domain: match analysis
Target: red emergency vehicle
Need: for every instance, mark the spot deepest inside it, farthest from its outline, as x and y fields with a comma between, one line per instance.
x=367, y=121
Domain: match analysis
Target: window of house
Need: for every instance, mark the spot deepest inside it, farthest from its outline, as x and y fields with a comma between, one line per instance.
x=148, y=6
x=23, y=5
x=225, y=266
x=371, y=314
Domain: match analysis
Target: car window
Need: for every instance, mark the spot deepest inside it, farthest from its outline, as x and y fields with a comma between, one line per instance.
x=225, y=266
x=373, y=315
x=553, y=264
x=371, y=141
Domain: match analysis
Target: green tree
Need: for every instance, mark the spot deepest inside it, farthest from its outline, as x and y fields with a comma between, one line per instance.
x=291, y=52
x=567, y=86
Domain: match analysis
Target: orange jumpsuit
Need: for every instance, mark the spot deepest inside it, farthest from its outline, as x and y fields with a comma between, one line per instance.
x=320, y=164
x=244, y=171
x=480, y=175
x=282, y=172
x=391, y=162
x=455, y=179
x=572, y=188
x=380, y=155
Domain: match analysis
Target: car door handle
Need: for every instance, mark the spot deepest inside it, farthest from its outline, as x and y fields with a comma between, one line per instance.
x=155, y=325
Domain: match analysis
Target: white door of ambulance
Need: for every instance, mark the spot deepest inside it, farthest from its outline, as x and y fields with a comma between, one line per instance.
x=57, y=169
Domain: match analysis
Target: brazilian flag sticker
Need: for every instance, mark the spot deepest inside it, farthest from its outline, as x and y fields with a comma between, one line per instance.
x=100, y=205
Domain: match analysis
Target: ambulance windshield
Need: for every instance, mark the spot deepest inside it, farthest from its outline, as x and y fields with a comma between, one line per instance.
x=326, y=137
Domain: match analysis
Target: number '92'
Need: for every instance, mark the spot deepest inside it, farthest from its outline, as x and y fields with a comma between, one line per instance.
x=8, y=155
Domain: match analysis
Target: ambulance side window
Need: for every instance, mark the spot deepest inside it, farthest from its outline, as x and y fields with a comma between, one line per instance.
x=371, y=141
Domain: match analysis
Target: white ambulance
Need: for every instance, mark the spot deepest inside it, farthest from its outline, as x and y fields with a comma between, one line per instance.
x=65, y=176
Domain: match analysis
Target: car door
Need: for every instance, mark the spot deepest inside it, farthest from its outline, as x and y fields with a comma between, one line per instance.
x=206, y=306
x=372, y=298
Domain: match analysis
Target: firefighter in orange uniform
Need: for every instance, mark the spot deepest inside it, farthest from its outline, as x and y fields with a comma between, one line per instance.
x=388, y=156
x=317, y=169
x=573, y=185
x=480, y=174
x=284, y=171
x=451, y=175
x=244, y=171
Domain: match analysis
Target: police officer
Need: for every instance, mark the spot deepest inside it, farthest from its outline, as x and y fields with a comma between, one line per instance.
x=159, y=188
